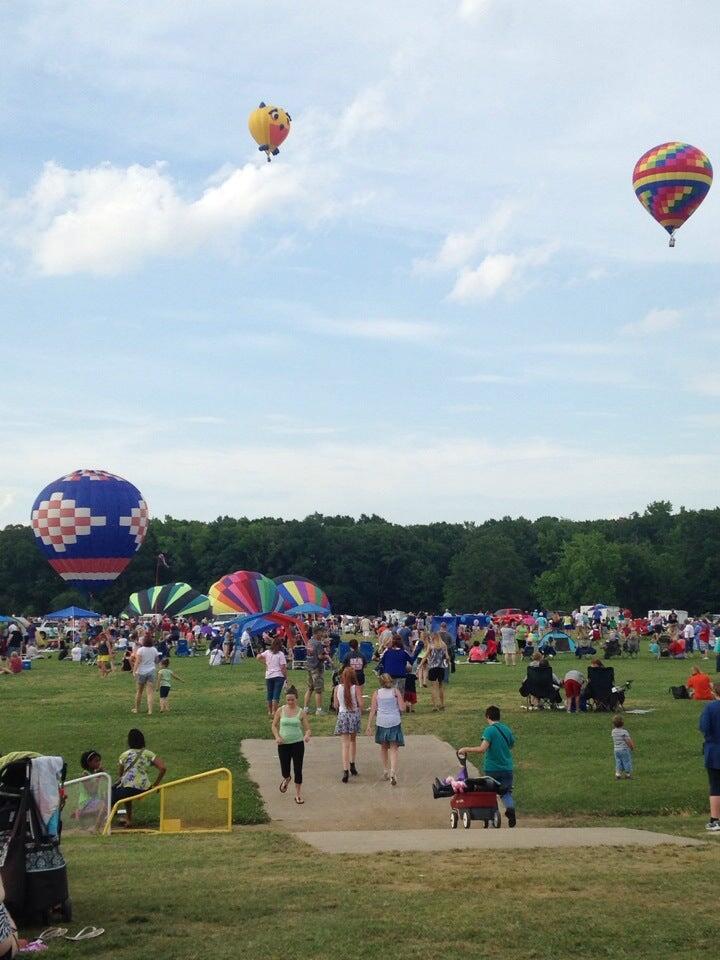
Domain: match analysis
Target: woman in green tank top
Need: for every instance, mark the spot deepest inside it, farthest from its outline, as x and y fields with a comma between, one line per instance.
x=291, y=730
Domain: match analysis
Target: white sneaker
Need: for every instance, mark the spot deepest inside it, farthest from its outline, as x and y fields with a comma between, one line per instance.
x=393, y=780
x=318, y=711
x=713, y=826
x=386, y=775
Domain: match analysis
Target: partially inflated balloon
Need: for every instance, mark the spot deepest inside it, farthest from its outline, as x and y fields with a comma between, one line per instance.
x=174, y=599
x=671, y=182
x=244, y=592
x=89, y=525
x=300, y=595
x=269, y=126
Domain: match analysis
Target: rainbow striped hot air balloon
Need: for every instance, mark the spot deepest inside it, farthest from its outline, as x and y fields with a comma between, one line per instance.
x=300, y=595
x=244, y=592
x=671, y=182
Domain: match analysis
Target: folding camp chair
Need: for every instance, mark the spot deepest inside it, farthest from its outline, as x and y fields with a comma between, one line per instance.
x=342, y=651
x=599, y=689
x=538, y=685
x=367, y=650
x=299, y=656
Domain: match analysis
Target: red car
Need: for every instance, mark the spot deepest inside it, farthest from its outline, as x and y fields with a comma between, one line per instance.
x=508, y=616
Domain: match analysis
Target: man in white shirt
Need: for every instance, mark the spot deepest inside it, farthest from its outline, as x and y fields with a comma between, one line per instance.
x=689, y=634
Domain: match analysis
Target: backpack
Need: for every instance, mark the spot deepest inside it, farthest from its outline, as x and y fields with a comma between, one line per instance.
x=680, y=693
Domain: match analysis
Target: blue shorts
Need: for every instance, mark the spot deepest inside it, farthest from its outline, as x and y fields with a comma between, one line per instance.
x=273, y=686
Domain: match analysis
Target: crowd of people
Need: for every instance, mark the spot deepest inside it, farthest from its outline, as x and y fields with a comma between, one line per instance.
x=414, y=651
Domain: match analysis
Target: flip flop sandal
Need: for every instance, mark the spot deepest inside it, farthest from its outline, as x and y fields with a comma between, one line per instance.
x=51, y=933
x=285, y=783
x=87, y=933
x=299, y=801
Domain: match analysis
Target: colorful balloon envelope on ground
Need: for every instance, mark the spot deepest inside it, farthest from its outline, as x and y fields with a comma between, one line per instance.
x=244, y=592
x=89, y=525
x=300, y=595
x=173, y=599
x=671, y=182
x=269, y=126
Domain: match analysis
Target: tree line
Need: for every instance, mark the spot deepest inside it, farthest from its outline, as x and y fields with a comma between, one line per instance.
x=657, y=559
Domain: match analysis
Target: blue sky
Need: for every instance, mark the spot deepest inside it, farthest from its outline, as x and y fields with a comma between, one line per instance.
x=441, y=302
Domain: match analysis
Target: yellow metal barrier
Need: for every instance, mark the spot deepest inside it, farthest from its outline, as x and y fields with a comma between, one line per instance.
x=198, y=804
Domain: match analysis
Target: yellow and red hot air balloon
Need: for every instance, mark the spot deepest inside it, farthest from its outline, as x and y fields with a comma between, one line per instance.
x=671, y=182
x=269, y=126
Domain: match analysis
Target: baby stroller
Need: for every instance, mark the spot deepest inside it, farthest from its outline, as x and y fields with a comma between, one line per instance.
x=33, y=869
x=472, y=798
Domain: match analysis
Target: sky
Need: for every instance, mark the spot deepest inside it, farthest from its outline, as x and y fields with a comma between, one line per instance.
x=442, y=301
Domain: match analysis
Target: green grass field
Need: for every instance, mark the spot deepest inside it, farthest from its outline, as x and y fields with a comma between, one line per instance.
x=260, y=893
x=564, y=762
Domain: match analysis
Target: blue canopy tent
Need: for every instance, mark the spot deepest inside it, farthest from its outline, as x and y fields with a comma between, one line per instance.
x=306, y=608
x=73, y=613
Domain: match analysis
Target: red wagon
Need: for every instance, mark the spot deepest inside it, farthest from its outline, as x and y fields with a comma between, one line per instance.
x=474, y=805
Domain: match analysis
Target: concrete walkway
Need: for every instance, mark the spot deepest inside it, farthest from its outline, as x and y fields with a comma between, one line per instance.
x=531, y=838
x=368, y=815
x=366, y=803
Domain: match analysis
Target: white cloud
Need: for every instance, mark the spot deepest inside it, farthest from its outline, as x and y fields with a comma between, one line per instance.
x=483, y=282
x=656, y=321
x=462, y=478
x=379, y=329
x=458, y=248
x=107, y=219
x=473, y=9
x=367, y=113
x=498, y=270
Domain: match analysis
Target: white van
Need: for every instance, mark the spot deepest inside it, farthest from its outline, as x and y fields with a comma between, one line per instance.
x=682, y=615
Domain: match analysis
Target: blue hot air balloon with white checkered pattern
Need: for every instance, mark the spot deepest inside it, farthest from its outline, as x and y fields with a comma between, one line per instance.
x=88, y=525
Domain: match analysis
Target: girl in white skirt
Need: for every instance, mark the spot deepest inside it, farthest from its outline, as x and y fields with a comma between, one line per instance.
x=348, y=703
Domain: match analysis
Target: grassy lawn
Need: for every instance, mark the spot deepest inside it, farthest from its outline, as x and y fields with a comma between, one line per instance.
x=564, y=762
x=260, y=893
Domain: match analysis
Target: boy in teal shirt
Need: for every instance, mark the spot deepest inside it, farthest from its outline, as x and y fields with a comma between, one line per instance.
x=496, y=746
